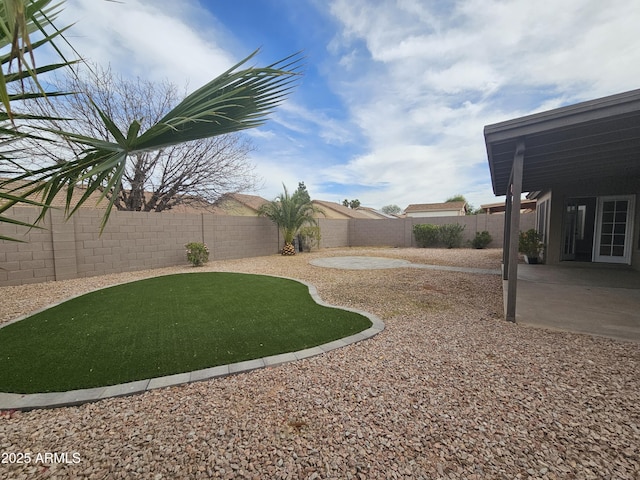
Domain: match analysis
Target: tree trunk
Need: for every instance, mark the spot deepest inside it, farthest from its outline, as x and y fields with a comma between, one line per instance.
x=288, y=249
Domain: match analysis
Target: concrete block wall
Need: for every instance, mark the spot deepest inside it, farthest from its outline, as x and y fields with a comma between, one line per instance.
x=387, y=232
x=472, y=224
x=135, y=241
x=31, y=261
x=399, y=232
x=132, y=241
x=239, y=237
x=333, y=233
x=494, y=224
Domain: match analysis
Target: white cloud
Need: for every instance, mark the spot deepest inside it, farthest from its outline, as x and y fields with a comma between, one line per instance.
x=283, y=169
x=312, y=122
x=419, y=81
x=155, y=39
x=438, y=72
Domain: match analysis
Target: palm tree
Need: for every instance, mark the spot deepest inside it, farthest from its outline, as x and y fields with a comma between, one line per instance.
x=290, y=213
x=236, y=100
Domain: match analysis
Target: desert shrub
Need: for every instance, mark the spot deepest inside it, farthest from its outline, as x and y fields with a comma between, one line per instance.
x=311, y=237
x=426, y=235
x=451, y=235
x=481, y=240
x=197, y=253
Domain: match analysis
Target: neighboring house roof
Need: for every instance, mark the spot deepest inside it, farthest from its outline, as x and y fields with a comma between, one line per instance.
x=337, y=211
x=526, y=206
x=250, y=201
x=59, y=201
x=229, y=204
x=436, y=207
x=242, y=204
x=373, y=213
x=593, y=139
x=239, y=204
x=192, y=205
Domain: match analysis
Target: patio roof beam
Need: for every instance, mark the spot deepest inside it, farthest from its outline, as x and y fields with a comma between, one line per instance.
x=513, y=222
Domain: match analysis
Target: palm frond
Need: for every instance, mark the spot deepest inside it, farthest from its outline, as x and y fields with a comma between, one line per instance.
x=7, y=200
x=238, y=99
x=234, y=101
x=19, y=18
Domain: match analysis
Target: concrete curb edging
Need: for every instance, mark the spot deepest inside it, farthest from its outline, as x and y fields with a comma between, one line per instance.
x=17, y=401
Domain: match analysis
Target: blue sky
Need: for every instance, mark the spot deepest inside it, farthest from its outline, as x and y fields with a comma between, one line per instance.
x=395, y=94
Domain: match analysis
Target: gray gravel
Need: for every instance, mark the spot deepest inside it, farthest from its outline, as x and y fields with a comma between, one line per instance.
x=448, y=390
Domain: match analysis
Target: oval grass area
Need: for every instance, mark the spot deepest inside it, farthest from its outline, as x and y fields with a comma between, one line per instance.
x=163, y=326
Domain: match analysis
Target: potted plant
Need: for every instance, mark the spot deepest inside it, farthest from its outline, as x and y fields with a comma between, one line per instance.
x=530, y=244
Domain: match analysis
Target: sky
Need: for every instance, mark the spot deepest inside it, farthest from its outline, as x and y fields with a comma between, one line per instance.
x=395, y=94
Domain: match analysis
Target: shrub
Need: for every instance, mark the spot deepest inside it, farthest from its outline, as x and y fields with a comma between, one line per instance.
x=530, y=243
x=451, y=235
x=311, y=237
x=426, y=235
x=197, y=253
x=481, y=240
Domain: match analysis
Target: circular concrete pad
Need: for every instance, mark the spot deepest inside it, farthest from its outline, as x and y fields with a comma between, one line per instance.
x=360, y=263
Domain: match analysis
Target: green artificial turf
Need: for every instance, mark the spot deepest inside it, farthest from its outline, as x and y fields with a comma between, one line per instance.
x=162, y=326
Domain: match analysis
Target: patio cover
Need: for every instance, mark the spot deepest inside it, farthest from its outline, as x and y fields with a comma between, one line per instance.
x=593, y=139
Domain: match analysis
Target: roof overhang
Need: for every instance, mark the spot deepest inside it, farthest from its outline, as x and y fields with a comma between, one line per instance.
x=598, y=138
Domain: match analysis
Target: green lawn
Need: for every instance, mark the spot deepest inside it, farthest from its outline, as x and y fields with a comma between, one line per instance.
x=162, y=326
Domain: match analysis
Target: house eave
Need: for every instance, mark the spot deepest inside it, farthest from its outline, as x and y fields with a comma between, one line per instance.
x=591, y=139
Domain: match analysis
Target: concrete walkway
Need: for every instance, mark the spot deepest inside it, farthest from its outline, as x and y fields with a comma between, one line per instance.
x=15, y=401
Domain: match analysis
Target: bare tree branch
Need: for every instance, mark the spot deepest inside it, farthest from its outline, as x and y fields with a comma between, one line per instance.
x=197, y=172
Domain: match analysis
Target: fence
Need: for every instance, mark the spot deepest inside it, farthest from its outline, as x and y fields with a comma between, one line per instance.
x=136, y=241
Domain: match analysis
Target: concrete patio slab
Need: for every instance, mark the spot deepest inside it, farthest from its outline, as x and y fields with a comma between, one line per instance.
x=594, y=299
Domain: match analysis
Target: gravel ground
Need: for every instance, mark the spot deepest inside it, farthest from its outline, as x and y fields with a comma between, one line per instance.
x=449, y=390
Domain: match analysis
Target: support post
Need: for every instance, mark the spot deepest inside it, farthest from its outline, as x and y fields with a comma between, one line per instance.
x=514, y=230
x=506, y=233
